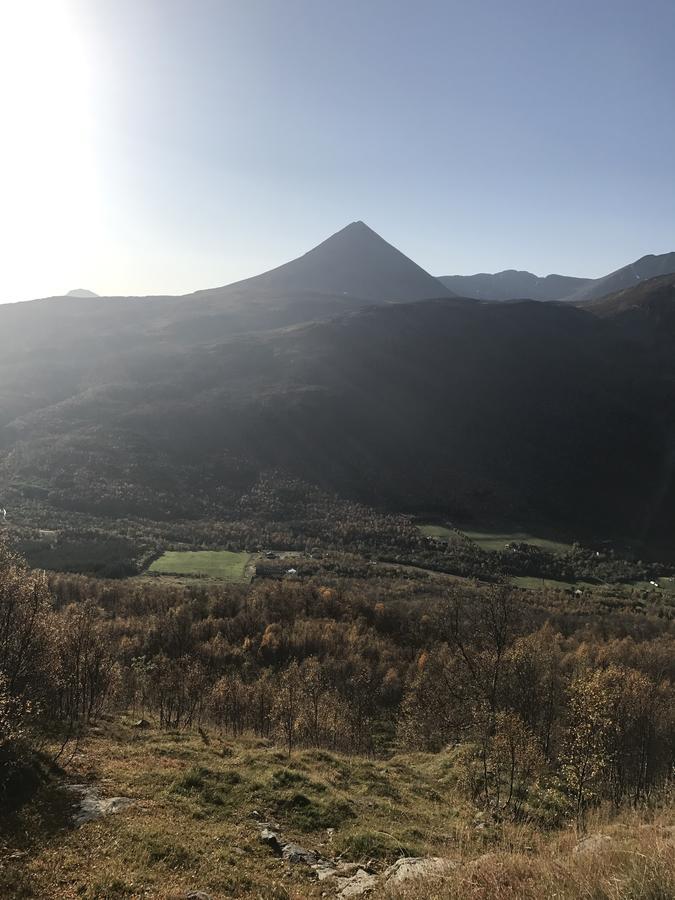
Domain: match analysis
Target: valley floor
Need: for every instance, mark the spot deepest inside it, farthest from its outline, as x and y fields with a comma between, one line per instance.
x=201, y=800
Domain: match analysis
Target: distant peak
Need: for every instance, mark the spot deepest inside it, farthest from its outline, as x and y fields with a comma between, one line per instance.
x=355, y=262
x=81, y=292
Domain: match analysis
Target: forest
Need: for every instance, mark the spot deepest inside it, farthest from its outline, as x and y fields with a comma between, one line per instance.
x=557, y=703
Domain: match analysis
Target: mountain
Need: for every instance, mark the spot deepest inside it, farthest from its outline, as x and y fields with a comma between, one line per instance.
x=513, y=285
x=520, y=412
x=641, y=270
x=644, y=313
x=351, y=269
x=354, y=262
x=81, y=292
x=653, y=298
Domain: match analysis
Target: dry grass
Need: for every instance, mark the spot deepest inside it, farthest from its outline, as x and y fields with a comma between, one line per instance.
x=637, y=862
x=194, y=826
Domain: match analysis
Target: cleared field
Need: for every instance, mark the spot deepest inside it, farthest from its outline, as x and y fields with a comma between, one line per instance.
x=222, y=565
x=490, y=540
x=437, y=531
x=664, y=585
x=537, y=584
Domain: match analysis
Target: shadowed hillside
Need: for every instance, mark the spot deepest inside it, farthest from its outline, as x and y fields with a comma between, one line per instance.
x=629, y=276
x=521, y=412
x=524, y=412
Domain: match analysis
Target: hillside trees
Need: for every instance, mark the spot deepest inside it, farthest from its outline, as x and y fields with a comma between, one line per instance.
x=531, y=690
x=57, y=667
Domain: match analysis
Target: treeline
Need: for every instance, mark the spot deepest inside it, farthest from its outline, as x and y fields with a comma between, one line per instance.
x=549, y=704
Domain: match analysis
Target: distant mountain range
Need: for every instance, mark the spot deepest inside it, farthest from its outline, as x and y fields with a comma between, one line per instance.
x=514, y=285
x=358, y=372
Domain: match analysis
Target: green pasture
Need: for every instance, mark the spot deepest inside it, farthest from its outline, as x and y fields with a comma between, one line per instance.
x=220, y=565
x=494, y=540
x=491, y=540
x=437, y=531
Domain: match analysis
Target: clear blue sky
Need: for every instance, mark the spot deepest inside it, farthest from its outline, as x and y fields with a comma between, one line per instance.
x=198, y=141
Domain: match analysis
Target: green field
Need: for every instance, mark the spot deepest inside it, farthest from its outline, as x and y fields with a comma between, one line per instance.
x=437, y=531
x=538, y=584
x=221, y=565
x=664, y=585
x=490, y=540
x=493, y=540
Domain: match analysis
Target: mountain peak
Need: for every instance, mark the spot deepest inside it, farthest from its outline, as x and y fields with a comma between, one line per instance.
x=80, y=292
x=354, y=262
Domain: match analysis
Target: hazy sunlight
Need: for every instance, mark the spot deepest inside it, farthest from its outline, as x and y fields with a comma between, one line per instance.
x=47, y=179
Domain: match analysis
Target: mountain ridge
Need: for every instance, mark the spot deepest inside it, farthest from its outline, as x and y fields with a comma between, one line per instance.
x=643, y=269
x=514, y=284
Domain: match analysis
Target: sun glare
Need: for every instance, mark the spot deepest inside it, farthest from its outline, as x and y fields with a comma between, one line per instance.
x=47, y=177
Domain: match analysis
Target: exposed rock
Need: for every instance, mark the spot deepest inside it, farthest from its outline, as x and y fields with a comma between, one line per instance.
x=592, y=843
x=92, y=806
x=271, y=838
x=197, y=895
x=325, y=869
x=410, y=867
x=358, y=885
x=294, y=853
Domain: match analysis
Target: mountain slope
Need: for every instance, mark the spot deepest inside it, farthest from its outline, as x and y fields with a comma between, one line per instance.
x=525, y=412
x=628, y=276
x=513, y=285
x=653, y=297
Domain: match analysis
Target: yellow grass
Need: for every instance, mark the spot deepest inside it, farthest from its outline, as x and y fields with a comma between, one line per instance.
x=199, y=800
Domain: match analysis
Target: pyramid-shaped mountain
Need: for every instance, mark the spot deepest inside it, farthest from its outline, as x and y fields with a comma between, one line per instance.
x=355, y=262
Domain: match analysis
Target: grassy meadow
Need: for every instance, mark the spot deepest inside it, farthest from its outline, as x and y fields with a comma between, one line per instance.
x=199, y=799
x=437, y=531
x=219, y=565
x=493, y=540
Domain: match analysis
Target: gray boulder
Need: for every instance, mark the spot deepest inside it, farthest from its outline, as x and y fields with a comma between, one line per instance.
x=356, y=886
x=409, y=868
x=91, y=806
x=294, y=853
